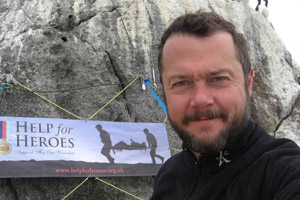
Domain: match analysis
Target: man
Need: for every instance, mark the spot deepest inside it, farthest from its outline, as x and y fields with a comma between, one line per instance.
x=105, y=139
x=152, y=144
x=207, y=80
x=259, y=2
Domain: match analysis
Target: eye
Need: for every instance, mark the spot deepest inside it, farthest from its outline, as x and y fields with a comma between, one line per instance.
x=181, y=83
x=218, y=79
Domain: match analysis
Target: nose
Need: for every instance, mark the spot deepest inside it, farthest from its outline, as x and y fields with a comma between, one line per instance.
x=202, y=96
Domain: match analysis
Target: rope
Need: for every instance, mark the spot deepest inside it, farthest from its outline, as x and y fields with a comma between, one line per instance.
x=70, y=90
x=49, y=101
x=2, y=86
x=102, y=182
x=75, y=188
x=54, y=25
x=113, y=98
x=175, y=149
x=166, y=118
x=7, y=85
x=71, y=112
x=117, y=188
x=162, y=105
x=155, y=96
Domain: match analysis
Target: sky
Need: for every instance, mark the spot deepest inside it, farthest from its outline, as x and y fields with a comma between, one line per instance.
x=285, y=16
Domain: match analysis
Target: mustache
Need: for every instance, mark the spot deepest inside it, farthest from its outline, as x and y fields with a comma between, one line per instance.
x=208, y=114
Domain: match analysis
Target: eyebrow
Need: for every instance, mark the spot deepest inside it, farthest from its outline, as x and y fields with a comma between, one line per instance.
x=220, y=71
x=212, y=73
x=176, y=76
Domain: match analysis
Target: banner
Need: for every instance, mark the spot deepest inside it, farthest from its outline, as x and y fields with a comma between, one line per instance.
x=44, y=147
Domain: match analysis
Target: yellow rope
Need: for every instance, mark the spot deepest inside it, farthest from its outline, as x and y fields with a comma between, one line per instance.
x=102, y=182
x=75, y=188
x=7, y=85
x=113, y=98
x=71, y=112
x=89, y=119
x=117, y=188
x=166, y=119
x=175, y=149
x=49, y=101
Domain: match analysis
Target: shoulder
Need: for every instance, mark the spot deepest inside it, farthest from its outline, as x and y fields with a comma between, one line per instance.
x=150, y=135
x=179, y=166
x=176, y=177
x=285, y=155
x=286, y=171
x=276, y=149
x=282, y=168
x=281, y=150
x=172, y=162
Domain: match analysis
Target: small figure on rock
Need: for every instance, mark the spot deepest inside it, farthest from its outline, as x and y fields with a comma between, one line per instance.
x=263, y=9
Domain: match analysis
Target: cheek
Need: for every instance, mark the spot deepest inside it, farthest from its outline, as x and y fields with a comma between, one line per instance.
x=176, y=105
x=233, y=101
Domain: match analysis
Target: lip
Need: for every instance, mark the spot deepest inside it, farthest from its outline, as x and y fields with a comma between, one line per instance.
x=204, y=121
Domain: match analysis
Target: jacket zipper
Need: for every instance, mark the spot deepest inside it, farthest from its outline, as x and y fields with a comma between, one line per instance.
x=193, y=195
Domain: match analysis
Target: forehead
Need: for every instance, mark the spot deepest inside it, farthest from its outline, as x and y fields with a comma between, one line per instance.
x=188, y=44
x=209, y=53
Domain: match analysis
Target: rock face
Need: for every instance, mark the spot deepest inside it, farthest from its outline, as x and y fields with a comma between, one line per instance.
x=84, y=50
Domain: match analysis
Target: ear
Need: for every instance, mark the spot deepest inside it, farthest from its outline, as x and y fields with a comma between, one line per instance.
x=250, y=81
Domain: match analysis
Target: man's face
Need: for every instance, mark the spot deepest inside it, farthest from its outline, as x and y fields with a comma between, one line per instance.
x=205, y=90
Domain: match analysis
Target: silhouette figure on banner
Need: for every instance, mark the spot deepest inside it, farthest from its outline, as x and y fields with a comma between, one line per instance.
x=120, y=146
x=105, y=139
x=152, y=144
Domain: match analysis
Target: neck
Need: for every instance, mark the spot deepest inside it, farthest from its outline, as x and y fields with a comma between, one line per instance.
x=197, y=155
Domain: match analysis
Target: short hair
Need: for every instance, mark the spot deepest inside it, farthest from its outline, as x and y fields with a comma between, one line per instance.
x=98, y=126
x=146, y=130
x=204, y=24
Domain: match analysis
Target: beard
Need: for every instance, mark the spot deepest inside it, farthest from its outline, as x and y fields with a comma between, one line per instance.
x=236, y=126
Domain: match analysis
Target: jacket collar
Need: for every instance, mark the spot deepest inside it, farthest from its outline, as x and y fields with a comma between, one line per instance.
x=212, y=163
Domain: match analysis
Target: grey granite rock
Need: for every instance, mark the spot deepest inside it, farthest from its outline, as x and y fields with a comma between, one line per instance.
x=90, y=47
